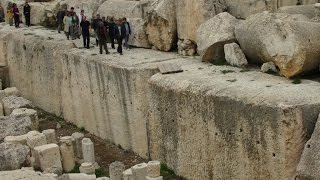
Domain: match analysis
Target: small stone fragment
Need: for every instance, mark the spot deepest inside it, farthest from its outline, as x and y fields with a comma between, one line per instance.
x=88, y=150
x=269, y=67
x=127, y=174
x=153, y=169
x=12, y=91
x=50, y=136
x=87, y=168
x=16, y=139
x=34, y=138
x=234, y=55
x=67, y=153
x=115, y=170
x=140, y=171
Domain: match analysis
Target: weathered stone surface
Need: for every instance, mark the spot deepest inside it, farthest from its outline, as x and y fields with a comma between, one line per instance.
x=50, y=136
x=139, y=171
x=269, y=67
x=13, y=102
x=153, y=169
x=24, y=112
x=25, y=174
x=291, y=45
x=87, y=168
x=34, y=138
x=88, y=150
x=307, y=10
x=12, y=91
x=154, y=178
x=1, y=110
x=120, y=9
x=16, y=139
x=13, y=156
x=234, y=55
x=77, y=144
x=47, y=157
x=103, y=178
x=127, y=174
x=138, y=37
x=115, y=170
x=308, y=167
x=192, y=13
x=67, y=153
x=268, y=137
x=214, y=34
x=77, y=176
x=161, y=26
x=10, y=126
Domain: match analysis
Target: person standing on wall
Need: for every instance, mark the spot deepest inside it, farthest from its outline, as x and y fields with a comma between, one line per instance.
x=85, y=26
x=26, y=13
x=60, y=15
x=127, y=28
x=112, y=25
x=16, y=15
x=67, y=21
x=10, y=14
x=120, y=33
x=102, y=35
x=1, y=14
x=94, y=25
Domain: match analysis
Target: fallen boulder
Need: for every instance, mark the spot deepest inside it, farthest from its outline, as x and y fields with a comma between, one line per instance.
x=214, y=34
x=13, y=156
x=290, y=43
x=11, y=126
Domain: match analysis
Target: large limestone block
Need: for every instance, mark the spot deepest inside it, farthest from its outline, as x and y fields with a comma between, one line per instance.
x=214, y=34
x=24, y=112
x=13, y=156
x=291, y=45
x=138, y=37
x=13, y=102
x=192, y=13
x=120, y=9
x=309, y=165
x=47, y=156
x=10, y=126
x=162, y=25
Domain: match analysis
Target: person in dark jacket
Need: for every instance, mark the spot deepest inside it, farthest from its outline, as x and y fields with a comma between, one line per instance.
x=102, y=35
x=127, y=28
x=26, y=13
x=85, y=26
x=60, y=16
x=120, y=33
x=16, y=15
x=94, y=25
x=112, y=25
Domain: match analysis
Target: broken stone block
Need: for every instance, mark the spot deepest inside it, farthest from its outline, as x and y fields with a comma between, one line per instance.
x=67, y=153
x=153, y=169
x=154, y=178
x=34, y=138
x=77, y=176
x=53, y=170
x=127, y=174
x=50, y=136
x=214, y=34
x=11, y=126
x=16, y=139
x=269, y=67
x=13, y=156
x=88, y=150
x=87, y=168
x=22, y=112
x=13, y=102
x=115, y=170
x=140, y=171
x=47, y=157
x=234, y=55
x=77, y=144
x=12, y=91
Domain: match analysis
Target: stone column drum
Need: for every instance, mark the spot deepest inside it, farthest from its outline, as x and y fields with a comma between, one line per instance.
x=67, y=153
x=140, y=171
x=115, y=170
x=77, y=144
x=88, y=150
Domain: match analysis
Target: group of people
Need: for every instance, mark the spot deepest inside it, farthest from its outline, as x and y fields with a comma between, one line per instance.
x=13, y=14
x=104, y=29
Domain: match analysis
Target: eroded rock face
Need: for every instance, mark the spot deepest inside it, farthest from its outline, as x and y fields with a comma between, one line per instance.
x=309, y=165
x=13, y=156
x=214, y=34
x=24, y=174
x=161, y=26
x=288, y=41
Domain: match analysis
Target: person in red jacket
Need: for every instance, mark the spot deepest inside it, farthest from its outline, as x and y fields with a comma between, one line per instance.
x=16, y=15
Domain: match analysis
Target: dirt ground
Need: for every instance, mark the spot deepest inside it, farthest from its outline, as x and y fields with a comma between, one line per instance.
x=105, y=152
